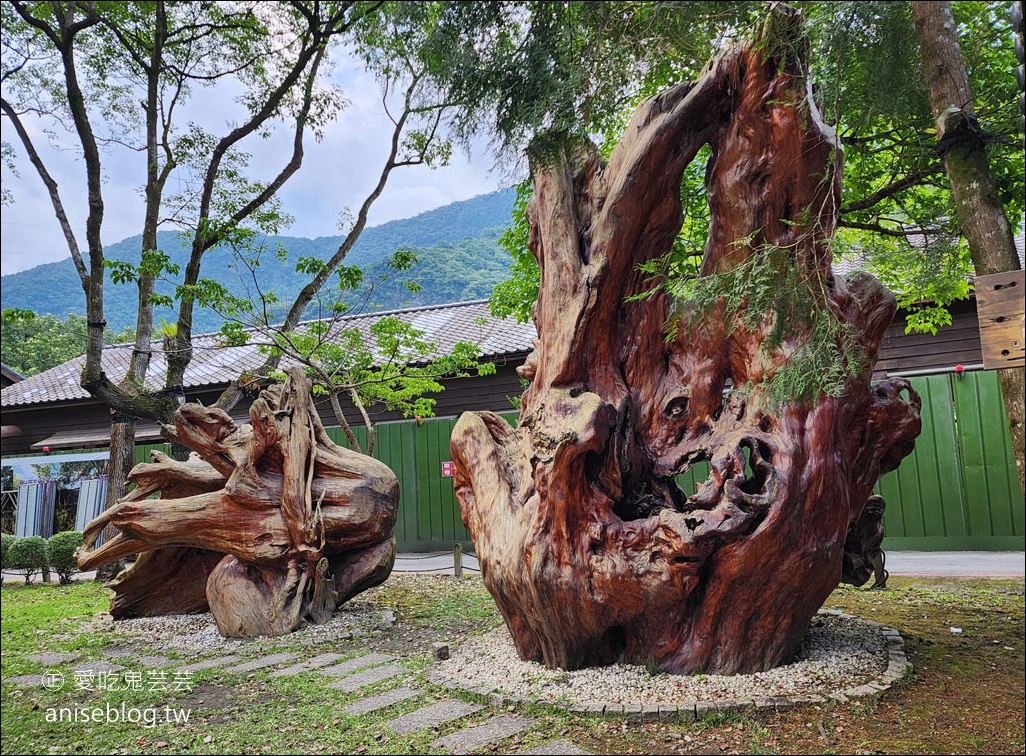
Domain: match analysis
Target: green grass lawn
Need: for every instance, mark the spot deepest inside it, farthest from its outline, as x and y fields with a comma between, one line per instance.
x=966, y=695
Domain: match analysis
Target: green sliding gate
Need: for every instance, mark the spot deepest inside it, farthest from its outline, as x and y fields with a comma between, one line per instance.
x=429, y=516
x=958, y=490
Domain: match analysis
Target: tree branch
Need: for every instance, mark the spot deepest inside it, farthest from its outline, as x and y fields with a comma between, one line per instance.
x=912, y=179
x=52, y=189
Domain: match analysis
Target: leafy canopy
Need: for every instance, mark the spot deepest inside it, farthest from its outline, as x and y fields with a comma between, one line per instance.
x=33, y=343
x=897, y=218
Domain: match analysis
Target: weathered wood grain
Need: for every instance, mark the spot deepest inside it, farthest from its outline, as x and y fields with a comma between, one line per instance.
x=271, y=524
x=590, y=550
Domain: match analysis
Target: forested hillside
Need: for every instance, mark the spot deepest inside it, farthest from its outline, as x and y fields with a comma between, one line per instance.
x=456, y=247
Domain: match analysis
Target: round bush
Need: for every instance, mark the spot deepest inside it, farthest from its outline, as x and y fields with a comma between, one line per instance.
x=60, y=553
x=6, y=540
x=27, y=555
x=5, y=543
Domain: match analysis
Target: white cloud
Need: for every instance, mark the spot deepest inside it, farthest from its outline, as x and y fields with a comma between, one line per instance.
x=338, y=172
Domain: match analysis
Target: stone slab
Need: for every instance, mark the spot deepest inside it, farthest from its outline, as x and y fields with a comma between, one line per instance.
x=367, y=677
x=380, y=701
x=25, y=681
x=262, y=663
x=53, y=657
x=321, y=660
x=555, y=748
x=96, y=667
x=650, y=713
x=360, y=662
x=219, y=661
x=119, y=652
x=687, y=711
x=432, y=716
x=472, y=738
x=155, y=662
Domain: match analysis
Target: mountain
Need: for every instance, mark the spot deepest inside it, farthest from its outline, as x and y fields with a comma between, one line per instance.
x=456, y=247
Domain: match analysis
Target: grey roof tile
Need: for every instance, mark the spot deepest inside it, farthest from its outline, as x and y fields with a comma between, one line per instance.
x=213, y=365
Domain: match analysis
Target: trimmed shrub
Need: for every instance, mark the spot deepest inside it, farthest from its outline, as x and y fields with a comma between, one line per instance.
x=60, y=553
x=27, y=555
x=5, y=544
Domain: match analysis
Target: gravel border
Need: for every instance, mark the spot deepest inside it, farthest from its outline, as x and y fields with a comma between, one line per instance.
x=488, y=668
x=197, y=634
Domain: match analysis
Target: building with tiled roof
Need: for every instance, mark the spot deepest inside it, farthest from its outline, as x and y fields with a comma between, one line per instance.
x=52, y=410
x=9, y=375
x=48, y=418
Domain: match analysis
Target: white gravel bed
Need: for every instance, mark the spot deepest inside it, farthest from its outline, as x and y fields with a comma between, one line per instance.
x=197, y=633
x=838, y=652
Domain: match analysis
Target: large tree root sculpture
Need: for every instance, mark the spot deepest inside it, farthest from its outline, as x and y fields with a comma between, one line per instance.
x=591, y=551
x=272, y=527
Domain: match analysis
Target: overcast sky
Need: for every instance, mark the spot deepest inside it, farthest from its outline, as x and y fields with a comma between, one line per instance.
x=337, y=172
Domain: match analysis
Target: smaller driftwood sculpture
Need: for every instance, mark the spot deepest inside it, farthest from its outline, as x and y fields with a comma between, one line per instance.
x=272, y=527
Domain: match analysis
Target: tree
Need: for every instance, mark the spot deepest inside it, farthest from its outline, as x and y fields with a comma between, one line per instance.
x=760, y=365
x=33, y=343
x=898, y=218
x=388, y=362
x=118, y=74
x=87, y=67
x=963, y=144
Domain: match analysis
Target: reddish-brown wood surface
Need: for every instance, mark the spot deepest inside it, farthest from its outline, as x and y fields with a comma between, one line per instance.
x=589, y=548
x=271, y=526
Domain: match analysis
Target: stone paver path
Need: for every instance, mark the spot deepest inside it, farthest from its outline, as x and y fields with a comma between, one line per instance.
x=352, y=675
x=367, y=677
x=96, y=667
x=380, y=701
x=263, y=662
x=119, y=652
x=360, y=662
x=53, y=657
x=322, y=660
x=554, y=748
x=219, y=661
x=472, y=738
x=431, y=716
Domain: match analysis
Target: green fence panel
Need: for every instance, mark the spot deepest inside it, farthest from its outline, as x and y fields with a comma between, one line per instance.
x=958, y=489
x=924, y=497
x=993, y=500
x=142, y=451
x=439, y=517
x=394, y=448
x=693, y=477
x=924, y=494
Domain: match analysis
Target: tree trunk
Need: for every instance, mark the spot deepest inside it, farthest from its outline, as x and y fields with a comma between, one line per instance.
x=120, y=462
x=591, y=551
x=273, y=528
x=980, y=212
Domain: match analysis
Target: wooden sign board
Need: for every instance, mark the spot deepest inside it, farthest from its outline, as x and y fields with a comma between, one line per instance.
x=1001, y=306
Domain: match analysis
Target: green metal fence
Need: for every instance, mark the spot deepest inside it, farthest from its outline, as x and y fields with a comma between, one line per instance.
x=958, y=489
